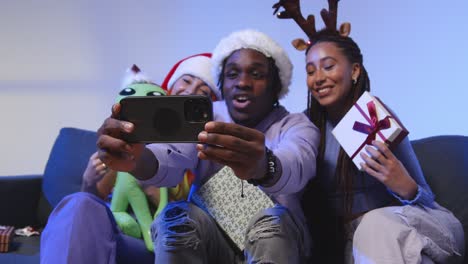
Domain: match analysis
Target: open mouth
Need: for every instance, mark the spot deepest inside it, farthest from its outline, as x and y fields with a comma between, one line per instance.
x=241, y=101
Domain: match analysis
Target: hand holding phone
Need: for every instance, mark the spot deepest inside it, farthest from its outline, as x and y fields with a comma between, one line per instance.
x=168, y=119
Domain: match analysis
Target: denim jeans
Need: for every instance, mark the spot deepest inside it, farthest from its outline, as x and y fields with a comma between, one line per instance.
x=184, y=233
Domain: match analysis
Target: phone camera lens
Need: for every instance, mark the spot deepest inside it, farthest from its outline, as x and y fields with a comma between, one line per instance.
x=197, y=110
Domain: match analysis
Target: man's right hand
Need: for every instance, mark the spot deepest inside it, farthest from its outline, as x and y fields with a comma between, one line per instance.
x=239, y=147
x=113, y=151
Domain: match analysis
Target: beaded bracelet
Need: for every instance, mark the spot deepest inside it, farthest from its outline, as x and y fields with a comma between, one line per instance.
x=270, y=169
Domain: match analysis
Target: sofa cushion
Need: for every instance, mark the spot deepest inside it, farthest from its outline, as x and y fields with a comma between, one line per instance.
x=67, y=162
x=18, y=209
x=444, y=160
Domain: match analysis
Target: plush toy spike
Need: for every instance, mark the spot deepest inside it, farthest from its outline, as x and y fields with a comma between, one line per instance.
x=292, y=9
x=135, y=69
x=135, y=75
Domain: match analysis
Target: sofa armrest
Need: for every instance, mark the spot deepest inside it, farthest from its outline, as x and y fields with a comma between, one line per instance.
x=19, y=198
x=67, y=161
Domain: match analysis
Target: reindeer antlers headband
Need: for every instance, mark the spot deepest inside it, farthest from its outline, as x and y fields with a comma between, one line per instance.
x=292, y=9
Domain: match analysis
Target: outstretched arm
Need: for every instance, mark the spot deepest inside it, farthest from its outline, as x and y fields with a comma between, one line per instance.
x=293, y=142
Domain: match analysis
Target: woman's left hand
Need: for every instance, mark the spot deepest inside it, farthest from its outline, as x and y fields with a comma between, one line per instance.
x=385, y=167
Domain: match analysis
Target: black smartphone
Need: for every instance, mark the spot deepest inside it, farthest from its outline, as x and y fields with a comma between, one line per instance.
x=169, y=119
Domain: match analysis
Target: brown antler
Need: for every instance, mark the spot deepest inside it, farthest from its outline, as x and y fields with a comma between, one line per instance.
x=329, y=16
x=292, y=9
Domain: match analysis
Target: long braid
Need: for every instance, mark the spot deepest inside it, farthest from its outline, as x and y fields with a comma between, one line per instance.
x=346, y=170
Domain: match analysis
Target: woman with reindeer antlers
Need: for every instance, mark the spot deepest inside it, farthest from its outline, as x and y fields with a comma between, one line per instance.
x=386, y=212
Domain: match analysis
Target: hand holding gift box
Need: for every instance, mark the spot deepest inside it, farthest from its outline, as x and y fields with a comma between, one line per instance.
x=366, y=121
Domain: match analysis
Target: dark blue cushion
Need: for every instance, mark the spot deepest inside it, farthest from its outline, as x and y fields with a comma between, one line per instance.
x=444, y=160
x=67, y=161
x=18, y=209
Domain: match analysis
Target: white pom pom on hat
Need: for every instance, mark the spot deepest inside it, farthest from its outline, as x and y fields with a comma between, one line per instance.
x=135, y=75
x=253, y=39
x=198, y=65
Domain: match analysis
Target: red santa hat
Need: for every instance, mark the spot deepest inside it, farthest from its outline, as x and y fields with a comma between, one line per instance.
x=252, y=39
x=198, y=65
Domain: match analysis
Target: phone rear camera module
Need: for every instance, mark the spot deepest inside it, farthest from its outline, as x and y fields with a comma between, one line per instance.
x=197, y=110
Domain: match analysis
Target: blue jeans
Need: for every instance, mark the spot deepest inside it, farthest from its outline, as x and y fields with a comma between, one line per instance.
x=82, y=229
x=184, y=233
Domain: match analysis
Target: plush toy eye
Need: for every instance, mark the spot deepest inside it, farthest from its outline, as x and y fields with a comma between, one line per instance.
x=127, y=91
x=154, y=93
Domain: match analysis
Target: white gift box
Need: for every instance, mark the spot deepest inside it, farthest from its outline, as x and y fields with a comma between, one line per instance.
x=367, y=120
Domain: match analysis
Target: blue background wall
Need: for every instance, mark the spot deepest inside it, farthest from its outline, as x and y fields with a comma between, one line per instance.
x=61, y=62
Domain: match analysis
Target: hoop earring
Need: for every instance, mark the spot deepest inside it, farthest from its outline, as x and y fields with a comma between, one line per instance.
x=354, y=81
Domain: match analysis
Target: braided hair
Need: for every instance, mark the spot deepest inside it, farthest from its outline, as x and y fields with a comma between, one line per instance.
x=331, y=231
x=345, y=167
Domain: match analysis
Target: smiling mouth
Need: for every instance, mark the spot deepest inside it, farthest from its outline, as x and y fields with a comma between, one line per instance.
x=323, y=90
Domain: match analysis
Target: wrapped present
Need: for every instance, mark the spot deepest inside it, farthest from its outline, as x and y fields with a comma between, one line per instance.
x=368, y=120
x=6, y=234
x=232, y=202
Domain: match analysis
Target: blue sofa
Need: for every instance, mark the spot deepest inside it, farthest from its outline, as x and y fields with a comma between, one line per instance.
x=28, y=199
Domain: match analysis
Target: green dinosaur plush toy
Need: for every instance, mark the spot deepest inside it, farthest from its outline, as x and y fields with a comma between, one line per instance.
x=127, y=191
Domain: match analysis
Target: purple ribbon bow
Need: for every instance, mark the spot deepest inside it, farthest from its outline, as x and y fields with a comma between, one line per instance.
x=372, y=129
